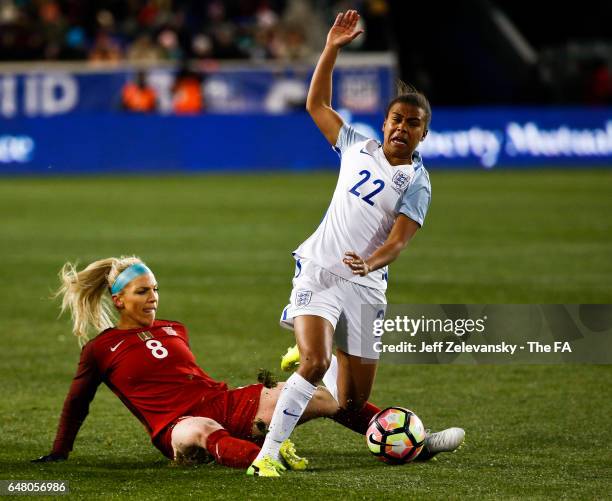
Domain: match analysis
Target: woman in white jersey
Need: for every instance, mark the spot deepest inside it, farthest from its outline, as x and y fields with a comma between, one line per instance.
x=380, y=201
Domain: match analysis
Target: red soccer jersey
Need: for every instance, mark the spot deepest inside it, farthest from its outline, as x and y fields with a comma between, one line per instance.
x=152, y=370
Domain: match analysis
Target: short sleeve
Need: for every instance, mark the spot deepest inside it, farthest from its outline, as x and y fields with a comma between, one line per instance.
x=347, y=137
x=416, y=199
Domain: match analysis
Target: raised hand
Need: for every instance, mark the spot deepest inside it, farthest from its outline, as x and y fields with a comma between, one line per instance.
x=344, y=30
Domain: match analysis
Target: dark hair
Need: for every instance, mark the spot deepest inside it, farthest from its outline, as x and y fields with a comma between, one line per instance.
x=410, y=95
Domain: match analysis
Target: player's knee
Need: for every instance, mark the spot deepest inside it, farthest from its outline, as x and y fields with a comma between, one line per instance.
x=324, y=402
x=193, y=432
x=313, y=366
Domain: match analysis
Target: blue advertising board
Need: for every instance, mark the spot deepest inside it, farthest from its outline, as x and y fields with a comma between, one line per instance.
x=235, y=89
x=520, y=137
x=117, y=142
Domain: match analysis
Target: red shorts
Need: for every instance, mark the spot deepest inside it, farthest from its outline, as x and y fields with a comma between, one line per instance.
x=235, y=410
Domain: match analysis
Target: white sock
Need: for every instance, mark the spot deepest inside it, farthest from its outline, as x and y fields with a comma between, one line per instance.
x=293, y=399
x=330, y=380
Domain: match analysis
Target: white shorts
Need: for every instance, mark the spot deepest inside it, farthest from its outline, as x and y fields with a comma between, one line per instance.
x=349, y=307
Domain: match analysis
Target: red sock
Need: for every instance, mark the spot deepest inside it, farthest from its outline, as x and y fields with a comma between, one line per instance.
x=357, y=420
x=230, y=451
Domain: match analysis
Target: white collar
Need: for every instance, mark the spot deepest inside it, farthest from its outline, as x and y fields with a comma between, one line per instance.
x=381, y=156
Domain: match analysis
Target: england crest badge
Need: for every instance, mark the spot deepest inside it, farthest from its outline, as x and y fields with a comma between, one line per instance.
x=302, y=298
x=401, y=180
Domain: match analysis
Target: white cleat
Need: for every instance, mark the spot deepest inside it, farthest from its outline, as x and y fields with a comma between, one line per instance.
x=448, y=440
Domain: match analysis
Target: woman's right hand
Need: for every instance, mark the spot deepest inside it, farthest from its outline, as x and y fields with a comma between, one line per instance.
x=50, y=458
x=344, y=30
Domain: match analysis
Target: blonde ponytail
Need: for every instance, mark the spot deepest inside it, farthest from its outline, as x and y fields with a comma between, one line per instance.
x=83, y=293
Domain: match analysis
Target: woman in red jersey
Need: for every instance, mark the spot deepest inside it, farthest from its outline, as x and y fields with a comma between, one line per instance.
x=149, y=365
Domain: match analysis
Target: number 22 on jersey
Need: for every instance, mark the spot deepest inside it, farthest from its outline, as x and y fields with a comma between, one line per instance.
x=365, y=176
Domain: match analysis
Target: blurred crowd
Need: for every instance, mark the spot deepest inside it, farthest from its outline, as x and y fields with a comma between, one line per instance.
x=175, y=30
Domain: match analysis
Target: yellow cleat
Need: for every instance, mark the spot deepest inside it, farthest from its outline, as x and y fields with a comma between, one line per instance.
x=295, y=462
x=266, y=467
x=291, y=359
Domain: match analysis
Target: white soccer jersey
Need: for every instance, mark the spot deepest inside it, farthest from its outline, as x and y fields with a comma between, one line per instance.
x=369, y=195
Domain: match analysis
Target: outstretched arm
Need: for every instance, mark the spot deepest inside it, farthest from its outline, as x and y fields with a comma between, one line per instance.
x=76, y=407
x=403, y=230
x=318, y=103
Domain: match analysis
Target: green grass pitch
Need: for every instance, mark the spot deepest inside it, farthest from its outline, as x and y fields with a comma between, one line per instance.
x=220, y=246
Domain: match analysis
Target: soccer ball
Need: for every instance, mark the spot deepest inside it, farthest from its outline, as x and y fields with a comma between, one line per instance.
x=395, y=435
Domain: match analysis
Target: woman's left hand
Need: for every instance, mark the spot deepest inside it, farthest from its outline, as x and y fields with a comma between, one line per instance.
x=356, y=264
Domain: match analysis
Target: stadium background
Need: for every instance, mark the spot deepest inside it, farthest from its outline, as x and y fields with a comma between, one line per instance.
x=215, y=200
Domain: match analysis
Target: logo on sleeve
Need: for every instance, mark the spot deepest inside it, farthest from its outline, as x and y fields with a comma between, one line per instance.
x=302, y=298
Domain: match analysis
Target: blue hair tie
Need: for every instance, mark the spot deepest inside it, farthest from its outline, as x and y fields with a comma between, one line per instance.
x=127, y=275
